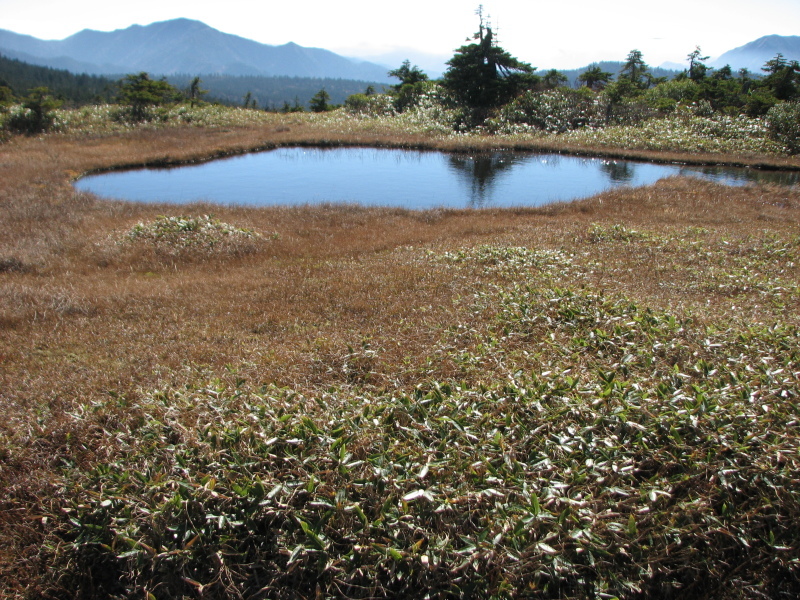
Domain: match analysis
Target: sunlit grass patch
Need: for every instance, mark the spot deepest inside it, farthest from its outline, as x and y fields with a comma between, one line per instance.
x=204, y=233
x=513, y=260
x=617, y=232
x=434, y=120
x=106, y=118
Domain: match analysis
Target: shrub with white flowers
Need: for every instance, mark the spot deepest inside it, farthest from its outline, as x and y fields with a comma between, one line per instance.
x=373, y=105
x=552, y=111
x=686, y=132
x=783, y=121
x=431, y=113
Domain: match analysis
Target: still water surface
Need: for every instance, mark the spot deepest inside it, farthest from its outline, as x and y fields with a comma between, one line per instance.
x=399, y=178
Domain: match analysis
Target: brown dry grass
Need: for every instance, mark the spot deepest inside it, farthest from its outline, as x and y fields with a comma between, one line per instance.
x=81, y=317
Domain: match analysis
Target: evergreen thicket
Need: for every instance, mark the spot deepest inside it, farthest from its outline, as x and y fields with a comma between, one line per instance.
x=270, y=93
x=21, y=77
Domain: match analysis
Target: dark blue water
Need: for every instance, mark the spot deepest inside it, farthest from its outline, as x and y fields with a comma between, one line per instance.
x=399, y=178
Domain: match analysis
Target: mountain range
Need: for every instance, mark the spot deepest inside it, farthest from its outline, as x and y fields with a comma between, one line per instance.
x=182, y=46
x=752, y=55
x=188, y=47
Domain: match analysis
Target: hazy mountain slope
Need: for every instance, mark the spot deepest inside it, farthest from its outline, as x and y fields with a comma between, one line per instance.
x=752, y=56
x=60, y=62
x=185, y=46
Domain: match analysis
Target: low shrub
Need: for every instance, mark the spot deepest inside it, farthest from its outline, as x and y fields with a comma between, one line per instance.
x=552, y=111
x=35, y=115
x=783, y=121
x=373, y=105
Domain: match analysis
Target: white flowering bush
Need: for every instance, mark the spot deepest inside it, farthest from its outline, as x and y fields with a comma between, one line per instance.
x=552, y=111
x=36, y=114
x=20, y=119
x=430, y=114
x=783, y=121
x=687, y=132
x=104, y=118
x=374, y=105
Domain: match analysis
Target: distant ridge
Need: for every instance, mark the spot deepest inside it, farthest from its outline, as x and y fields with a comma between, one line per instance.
x=753, y=55
x=186, y=46
x=182, y=46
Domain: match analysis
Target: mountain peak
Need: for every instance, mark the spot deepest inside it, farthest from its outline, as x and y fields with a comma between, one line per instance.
x=171, y=27
x=188, y=46
x=753, y=55
x=180, y=24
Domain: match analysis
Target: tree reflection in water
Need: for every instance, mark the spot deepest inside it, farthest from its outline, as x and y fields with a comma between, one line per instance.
x=480, y=173
x=618, y=171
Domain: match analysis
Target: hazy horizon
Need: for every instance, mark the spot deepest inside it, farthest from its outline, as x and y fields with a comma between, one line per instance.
x=569, y=35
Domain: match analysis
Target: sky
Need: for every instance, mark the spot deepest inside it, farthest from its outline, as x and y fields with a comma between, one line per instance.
x=554, y=34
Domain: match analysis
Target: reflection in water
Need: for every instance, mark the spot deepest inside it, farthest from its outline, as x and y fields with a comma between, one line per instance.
x=740, y=176
x=618, y=171
x=402, y=178
x=480, y=172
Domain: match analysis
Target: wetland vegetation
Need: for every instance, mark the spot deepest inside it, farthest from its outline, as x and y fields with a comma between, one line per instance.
x=592, y=400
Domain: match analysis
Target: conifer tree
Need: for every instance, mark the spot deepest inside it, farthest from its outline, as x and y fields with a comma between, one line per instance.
x=482, y=76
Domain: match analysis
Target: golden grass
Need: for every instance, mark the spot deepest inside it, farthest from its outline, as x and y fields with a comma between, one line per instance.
x=331, y=296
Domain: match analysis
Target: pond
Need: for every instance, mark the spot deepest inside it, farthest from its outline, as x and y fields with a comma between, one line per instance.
x=398, y=178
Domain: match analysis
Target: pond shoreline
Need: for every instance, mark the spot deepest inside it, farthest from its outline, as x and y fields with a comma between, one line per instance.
x=411, y=179
x=487, y=144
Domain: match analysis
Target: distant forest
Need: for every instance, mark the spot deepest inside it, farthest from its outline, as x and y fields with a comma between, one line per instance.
x=272, y=92
x=613, y=67
x=268, y=92
x=21, y=77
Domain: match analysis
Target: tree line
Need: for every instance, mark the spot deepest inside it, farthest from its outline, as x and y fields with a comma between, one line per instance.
x=482, y=77
x=483, y=83
x=486, y=87
x=18, y=79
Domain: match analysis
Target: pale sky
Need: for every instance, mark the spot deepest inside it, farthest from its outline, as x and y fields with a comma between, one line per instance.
x=554, y=34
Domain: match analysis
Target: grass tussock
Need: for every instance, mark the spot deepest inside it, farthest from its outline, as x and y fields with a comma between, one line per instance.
x=180, y=238
x=586, y=400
